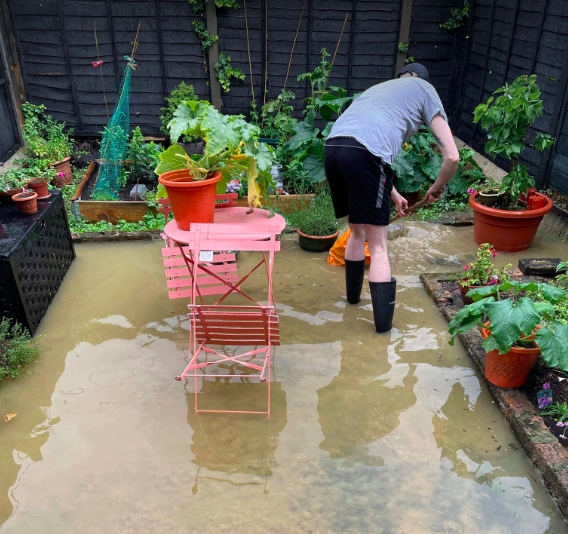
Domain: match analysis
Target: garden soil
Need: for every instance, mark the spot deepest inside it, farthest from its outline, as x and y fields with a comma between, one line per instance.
x=368, y=433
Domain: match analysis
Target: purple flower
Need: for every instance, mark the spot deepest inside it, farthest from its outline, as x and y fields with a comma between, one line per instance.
x=546, y=385
x=561, y=424
x=471, y=191
x=61, y=175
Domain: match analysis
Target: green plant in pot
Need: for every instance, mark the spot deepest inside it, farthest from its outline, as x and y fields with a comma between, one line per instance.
x=232, y=151
x=11, y=183
x=481, y=272
x=318, y=227
x=192, y=144
x=507, y=116
x=515, y=330
x=141, y=159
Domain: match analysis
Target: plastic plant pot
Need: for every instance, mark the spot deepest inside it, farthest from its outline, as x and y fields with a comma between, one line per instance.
x=510, y=370
x=193, y=201
x=507, y=231
x=491, y=198
x=27, y=202
x=536, y=201
x=314, y=243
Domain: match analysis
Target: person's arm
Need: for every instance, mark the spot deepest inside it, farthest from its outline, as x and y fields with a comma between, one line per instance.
x=400, y=202
x=450, y=153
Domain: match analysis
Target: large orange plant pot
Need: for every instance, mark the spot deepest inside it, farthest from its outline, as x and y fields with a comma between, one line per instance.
x=507, y=231
x=510, y=370
x=192, y=201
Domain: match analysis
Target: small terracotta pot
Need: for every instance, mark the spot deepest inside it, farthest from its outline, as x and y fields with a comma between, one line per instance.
x=6, y=196
x=465, y=290
x=314, y=243
x=510, y=370
x=65, y=167
x=535, y=202
x=40, y=187
x=27, y=202
x=506, y=230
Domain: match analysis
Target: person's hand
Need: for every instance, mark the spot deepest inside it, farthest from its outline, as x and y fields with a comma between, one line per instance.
x=434, y=193
x=401, y=204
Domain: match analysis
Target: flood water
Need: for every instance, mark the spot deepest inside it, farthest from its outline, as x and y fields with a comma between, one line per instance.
x=368, y=433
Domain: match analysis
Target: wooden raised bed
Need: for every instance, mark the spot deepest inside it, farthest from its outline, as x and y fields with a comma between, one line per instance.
x=134, y=210
x=108, y=210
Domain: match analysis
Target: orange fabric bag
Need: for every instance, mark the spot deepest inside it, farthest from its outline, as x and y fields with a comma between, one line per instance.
x=337, y=252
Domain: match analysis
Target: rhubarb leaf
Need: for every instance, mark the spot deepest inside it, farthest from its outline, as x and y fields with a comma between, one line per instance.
x=554, y=345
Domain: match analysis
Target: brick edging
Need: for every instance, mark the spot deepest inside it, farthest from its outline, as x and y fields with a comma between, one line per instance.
x=547, y=455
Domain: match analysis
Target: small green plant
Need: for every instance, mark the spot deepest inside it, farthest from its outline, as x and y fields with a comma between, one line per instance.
x=103, y=197
x=458, y=16
x=403, y=47
x=180, y=94
x=226, y=71
x=141, y=158
x=149, y=222
x=507, y=117
x=318, y=220
x=556, y=410
x=59, y=143
x=207, y=40
x=482, y=272
x=13, y=179
x=276, y=119
x=17, y=348
x=409, y=59
x=512, y=320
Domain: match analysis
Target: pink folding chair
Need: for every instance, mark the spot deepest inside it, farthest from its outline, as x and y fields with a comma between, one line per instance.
x=177, y=274
x=253, y=324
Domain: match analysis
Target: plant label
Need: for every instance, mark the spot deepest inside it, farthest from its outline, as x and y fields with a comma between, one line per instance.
x=206, y=256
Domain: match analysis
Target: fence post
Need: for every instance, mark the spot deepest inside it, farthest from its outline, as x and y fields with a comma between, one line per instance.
x=403, y=32
x=211, y=15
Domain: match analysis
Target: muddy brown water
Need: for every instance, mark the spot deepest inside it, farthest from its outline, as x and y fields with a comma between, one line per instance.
x=368, y=433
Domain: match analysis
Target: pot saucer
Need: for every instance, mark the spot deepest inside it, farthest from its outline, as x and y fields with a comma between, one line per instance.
x=44, y=198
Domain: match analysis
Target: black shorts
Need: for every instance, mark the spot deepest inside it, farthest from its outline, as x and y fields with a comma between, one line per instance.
x=360, y=182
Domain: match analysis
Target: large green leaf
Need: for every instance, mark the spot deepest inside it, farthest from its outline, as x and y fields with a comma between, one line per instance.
x=313, y=165
x=432, y=167
x=172, y=159
x=554, y=345
x=467, y=318
x=458, y=185
x=552, y=294
x=304, y=134
x=263, y=156
x=187, y=119
x=510, y=321
x=480, y=292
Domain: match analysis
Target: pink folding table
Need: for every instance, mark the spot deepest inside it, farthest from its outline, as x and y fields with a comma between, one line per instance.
x=203, y=266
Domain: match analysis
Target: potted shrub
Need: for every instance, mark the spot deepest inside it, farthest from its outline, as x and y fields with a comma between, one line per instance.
x=26, y=201
x=59, y=149
x=231, y=150
x=516, y=330
x=482, y=272
x=317, y=225
x=192, y=144
x=509, y=226
x=39, y=176
x=11, y=183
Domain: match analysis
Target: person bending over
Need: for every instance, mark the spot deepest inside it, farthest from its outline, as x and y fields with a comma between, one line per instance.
x=361, y=146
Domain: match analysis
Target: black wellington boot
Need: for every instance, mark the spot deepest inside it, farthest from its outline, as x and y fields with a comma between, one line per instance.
x=383, y=295
x=354, y=276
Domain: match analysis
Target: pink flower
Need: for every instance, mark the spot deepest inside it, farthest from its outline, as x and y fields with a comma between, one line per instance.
x=61, y=174
x=471, y=191
x=546, y=385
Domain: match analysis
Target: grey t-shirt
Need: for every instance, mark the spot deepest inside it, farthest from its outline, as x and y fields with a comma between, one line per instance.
x=387, y=114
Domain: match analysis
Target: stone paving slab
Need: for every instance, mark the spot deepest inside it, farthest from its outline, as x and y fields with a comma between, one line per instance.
x=548, y=456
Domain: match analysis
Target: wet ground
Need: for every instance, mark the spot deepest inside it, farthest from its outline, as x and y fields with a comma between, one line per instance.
x=368, y=433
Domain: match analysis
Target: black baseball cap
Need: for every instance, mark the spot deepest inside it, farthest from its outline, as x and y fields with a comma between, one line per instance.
x=420, y=70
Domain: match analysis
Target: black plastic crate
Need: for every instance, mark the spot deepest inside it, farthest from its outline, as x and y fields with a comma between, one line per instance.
x=36, y=252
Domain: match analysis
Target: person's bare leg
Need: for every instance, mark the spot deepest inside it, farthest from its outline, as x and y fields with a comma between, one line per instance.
x=380, y=267
x=355, y=249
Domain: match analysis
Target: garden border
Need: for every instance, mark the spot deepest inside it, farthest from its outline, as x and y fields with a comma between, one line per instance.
x=548, y=456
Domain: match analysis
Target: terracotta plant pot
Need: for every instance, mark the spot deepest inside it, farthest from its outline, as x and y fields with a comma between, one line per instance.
x=314, y=243
x=465, y=290
x=192, y=201
x=27, y=202
x=510, y=370
x=536, y=201
x=65, y=167
x=6, y=196
x=40, y=187
x=507, y=231
x=491, y=198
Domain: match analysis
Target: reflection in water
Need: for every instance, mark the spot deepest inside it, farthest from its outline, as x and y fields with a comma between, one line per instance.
x=238, y=449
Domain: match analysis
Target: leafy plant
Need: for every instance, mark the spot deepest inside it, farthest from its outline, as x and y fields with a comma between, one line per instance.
x=403, y=47
x=318, y=220
x=232, y=148
x=13, y=179
x=207, y=40
x=507, y=118
x=557, y=410
x=458, y=16
x=482, y=272
x=103, y=197
x=17, y=348
x=226, y=71
x=512, y=320
x=149, y=222
x=59, y=143
x=409, y=59
x=276, y=119
x=180, y=94
x=141, y=157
